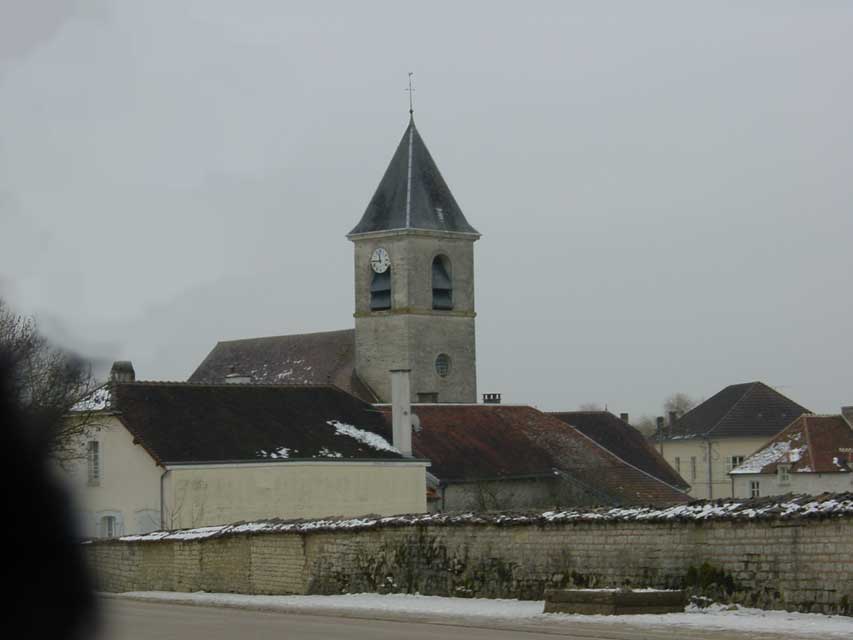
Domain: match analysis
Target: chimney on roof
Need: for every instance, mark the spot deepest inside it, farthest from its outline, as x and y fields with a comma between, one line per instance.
x=847, y=412
x=491, y=398
x=401, y=411
x=673, y=418
x=122, y=371
x=623, y=417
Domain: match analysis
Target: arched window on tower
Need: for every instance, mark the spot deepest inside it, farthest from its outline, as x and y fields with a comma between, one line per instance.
x=380, y=291
x=442, y=286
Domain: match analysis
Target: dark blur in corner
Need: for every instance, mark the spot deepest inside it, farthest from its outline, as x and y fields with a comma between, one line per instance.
x=52, y=593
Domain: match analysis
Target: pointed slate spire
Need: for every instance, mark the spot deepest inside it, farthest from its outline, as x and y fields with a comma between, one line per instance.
x=412, y=194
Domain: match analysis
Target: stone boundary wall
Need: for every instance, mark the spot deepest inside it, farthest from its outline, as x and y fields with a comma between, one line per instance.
x=803, y=564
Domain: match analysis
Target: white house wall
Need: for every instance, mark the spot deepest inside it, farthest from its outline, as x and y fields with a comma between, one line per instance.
x=808, y=483
x=129, y=484
x=219, y=494
x=721, y=449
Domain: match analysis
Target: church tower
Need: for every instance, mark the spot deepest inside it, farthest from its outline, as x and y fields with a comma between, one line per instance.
x=414, y=282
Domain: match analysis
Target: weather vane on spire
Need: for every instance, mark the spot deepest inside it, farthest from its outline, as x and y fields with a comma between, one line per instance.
x=411, y=91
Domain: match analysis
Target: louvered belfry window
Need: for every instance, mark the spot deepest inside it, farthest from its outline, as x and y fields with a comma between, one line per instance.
x=380, y=291
x=442, y=286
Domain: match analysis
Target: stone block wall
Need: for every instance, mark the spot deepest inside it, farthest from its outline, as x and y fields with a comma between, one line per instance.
x=803, y=564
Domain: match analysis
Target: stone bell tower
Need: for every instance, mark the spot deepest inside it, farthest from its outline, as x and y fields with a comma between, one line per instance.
x=414, y=282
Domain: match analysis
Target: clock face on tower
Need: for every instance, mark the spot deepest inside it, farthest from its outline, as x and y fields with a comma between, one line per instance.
x=380, y=260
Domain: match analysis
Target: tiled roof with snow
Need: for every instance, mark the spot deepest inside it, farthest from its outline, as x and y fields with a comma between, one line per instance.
x=780, y=508
x=198, y=423
x=326, y=357
x=810, y=444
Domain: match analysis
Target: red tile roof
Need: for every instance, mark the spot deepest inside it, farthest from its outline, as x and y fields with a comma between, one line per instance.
x=478, y=442
x=810, y=444
x=619, y=437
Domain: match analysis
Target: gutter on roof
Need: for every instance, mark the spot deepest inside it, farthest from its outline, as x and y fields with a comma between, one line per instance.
x=298, y=461
x=529, y=476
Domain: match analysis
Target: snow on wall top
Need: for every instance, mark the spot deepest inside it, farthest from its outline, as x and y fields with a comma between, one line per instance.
x=783, y=507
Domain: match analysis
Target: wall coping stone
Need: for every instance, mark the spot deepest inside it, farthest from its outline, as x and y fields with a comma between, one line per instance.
x=785, y=508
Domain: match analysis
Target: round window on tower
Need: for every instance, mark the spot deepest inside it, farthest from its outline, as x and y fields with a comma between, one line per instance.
x=442, y=365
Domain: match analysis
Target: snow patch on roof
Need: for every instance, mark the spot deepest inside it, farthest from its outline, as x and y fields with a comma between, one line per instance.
x=98, y=400
x=372, y=440
x=774, y=453
x=280, y=453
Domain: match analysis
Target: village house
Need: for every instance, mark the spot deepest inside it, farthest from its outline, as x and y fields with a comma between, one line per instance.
x=176, y=455
x=716, y=436
x=497, y=457
x=812, y=455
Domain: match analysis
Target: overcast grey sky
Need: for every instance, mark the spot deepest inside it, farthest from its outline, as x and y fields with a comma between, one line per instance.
x=663, y=188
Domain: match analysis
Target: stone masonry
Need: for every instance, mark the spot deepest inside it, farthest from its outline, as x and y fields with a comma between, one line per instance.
x=803, y=564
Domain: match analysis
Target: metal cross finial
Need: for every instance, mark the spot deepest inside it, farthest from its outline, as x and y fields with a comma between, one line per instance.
x=411, y=91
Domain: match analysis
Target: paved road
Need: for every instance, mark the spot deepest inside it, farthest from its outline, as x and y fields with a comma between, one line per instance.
x=132, y=620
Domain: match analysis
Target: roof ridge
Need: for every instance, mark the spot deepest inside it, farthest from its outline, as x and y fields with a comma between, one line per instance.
x=732, y=408
x=603, y=411
x=603, y=448
x=777, y=392
x=808, y=440
x=411, y=133
x=232, y=385
x=286, y=335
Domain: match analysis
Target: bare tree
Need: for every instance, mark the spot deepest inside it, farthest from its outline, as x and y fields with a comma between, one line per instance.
x=645, y=425
x=47, y=382
x=590, y=406
x=679, y=402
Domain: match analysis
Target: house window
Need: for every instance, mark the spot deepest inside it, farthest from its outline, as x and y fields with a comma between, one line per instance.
x=784, y=475
x=380, y=291
x=753, y=489
x=693, y=468
x=442, y=287
x=678, y=465
x=109, y=527
x=93, y=458
x=732, y=462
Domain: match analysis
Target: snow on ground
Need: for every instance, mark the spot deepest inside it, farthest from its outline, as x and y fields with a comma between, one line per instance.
x=715, y=617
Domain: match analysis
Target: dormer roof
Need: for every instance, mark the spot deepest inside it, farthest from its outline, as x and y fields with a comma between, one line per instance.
x=413, y=194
